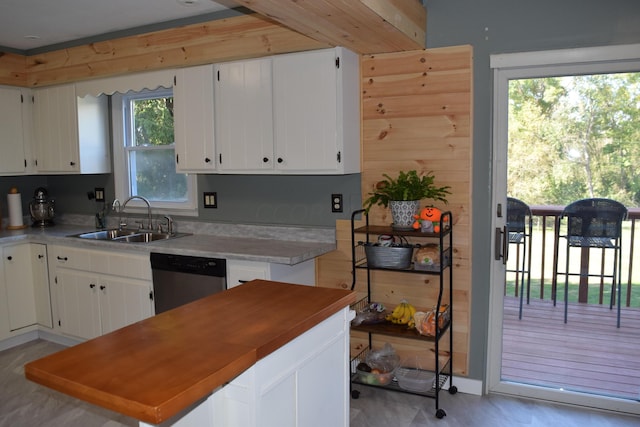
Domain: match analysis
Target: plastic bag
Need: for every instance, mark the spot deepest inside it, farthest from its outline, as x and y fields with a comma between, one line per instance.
x=384, y=360
x=426, y=322
x=373, y=313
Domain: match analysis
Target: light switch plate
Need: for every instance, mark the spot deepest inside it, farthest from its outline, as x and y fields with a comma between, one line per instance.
x=99, y=193
x=210, y=200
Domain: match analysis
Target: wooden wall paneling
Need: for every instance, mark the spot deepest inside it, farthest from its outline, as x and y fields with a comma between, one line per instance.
x=12, y=70
x=416, y=112
x=215, y=41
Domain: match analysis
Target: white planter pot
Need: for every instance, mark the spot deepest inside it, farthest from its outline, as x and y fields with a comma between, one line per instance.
x=402, y=213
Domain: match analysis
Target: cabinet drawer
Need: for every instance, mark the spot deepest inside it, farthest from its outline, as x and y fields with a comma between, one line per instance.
x=134, y=266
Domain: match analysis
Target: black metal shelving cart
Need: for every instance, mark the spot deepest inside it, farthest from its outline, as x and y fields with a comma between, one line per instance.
x=443, y=366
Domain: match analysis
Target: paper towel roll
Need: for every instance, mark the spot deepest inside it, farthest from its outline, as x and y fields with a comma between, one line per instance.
x=14, y=204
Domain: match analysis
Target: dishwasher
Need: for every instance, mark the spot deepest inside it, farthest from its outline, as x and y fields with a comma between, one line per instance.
x=180, y=279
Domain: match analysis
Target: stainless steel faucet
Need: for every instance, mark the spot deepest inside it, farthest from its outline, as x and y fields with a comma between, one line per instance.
x=169, y=224
x=115, y=206
x=148, y=208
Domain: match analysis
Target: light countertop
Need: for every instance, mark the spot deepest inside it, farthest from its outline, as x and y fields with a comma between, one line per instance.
x=279, y=245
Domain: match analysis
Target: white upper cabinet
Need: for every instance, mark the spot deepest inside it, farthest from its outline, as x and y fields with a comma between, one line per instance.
x=316, y=100
x=71, y=132
x=15, y=130
x=295, y=113
x=244, y=119
x=194, y=119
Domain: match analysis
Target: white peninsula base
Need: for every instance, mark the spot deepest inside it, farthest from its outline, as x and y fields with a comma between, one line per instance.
x=304, y=383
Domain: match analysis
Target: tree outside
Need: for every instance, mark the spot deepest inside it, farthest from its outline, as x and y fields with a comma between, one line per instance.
x=571, y=138
x=152, y=154
x=575, y=137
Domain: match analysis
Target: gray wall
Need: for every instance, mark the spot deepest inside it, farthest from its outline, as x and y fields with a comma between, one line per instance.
x=504, y=26
x=252, y=199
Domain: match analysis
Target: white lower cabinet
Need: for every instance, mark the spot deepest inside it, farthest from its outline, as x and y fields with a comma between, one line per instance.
x=303, y=383
x=91, y=305
x=242, y=271
x=24, y=283
x=93, y=296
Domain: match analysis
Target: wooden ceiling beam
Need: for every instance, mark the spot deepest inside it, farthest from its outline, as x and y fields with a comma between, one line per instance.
x=364, y=26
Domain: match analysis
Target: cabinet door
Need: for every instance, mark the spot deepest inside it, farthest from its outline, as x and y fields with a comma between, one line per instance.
x=42, y=293
x=240, y=271
x=194, y=119
x=78, y=303
x=244, y=121
x=18, y=276
x=5, y=328
x=56, y=129
x=123, y=302
x=12, y=160
x=305, y=113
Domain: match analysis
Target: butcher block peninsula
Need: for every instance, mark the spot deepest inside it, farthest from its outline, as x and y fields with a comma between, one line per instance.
x=261, y=354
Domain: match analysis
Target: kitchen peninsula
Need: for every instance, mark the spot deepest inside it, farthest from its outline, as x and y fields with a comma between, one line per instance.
x=261, y=354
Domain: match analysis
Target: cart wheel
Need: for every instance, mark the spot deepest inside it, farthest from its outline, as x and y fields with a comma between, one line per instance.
x=355, y=394
x=453, y=389
x=440, y=413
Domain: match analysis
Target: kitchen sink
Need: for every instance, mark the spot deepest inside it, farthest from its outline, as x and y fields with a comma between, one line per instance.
x=128, y=235
x=106, y=234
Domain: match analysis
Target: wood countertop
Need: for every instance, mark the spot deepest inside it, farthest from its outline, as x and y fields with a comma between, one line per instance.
x=155, y=368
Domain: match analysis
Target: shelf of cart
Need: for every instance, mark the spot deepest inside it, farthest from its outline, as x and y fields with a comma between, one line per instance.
x=363, y=264
x=443, y=361
x=385, y=230
x=390, y=231
x=395, y=330
x=393, y=385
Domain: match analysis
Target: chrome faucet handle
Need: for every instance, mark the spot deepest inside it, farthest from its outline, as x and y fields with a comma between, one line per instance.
x=116, y=207
x=169, y=224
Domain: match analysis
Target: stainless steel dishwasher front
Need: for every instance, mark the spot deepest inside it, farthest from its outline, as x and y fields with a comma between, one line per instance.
x=180, y=279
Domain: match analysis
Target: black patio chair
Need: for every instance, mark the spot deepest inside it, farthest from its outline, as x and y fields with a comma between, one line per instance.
x=594, y=223
x=519, y=226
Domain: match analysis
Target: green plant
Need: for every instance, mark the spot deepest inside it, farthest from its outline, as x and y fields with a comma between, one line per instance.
x=407, y=186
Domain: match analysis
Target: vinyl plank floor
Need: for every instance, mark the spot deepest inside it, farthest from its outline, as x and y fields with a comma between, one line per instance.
x=26, y=404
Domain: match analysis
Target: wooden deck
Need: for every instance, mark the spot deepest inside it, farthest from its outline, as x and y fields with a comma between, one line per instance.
x=588, y=354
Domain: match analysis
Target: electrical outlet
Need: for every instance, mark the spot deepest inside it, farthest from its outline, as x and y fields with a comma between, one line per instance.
x=99, y=194
x=336, y=203
x=210, y=200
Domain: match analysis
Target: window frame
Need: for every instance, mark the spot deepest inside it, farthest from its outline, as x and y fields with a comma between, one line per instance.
x=122, y=131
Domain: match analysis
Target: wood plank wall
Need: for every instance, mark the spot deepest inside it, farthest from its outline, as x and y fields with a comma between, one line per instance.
x=221, y=40
x=416, y=115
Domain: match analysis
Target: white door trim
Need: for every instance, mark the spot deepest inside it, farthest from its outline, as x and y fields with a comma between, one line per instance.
x=623, y=58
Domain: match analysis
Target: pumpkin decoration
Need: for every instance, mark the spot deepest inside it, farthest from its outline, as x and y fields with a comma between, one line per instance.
x=428, y=219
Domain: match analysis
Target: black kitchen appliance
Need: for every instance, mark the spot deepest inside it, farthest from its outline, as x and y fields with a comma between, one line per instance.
x=180, y=279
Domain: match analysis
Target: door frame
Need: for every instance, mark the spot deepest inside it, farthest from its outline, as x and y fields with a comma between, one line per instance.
x=505, y=67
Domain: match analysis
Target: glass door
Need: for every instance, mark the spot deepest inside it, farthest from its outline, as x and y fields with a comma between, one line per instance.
x=546, y=154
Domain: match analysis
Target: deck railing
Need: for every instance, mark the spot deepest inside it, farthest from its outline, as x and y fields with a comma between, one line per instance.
x=547, y=252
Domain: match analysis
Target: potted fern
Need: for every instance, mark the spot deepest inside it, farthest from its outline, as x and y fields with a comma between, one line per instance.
x=403, y=194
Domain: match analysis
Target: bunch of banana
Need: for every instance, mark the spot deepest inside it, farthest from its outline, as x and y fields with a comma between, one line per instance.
x=402, y=314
